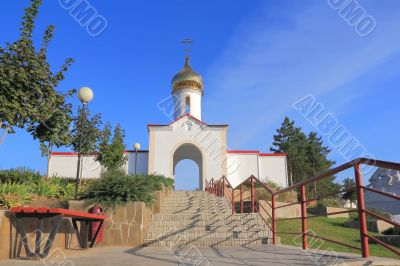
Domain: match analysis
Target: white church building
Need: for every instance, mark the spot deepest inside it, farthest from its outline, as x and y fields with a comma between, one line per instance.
x=187, y=137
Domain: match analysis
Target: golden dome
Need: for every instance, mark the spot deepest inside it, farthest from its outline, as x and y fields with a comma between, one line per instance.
x=187, y=78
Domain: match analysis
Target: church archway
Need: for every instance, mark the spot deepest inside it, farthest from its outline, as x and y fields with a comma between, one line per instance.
x=189, y=151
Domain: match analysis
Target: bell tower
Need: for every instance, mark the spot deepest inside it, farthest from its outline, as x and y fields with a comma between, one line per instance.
x=187, y=89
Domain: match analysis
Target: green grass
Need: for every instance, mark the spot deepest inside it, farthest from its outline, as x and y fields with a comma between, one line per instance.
x=331, y=229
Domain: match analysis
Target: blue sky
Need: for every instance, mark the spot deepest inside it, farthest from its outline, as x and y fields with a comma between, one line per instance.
x=257, y=58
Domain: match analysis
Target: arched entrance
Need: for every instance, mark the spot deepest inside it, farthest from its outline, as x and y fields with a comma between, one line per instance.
x=189, y=151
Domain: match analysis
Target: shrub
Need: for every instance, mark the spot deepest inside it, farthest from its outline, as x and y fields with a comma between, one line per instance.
x=65, y=187
x=328, y=203
x=19, y=175
x=115, y=188
x=45, y=188
x=13, y=194
x=392, y=231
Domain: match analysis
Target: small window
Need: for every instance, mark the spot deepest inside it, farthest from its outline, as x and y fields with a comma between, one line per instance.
x=187, y=105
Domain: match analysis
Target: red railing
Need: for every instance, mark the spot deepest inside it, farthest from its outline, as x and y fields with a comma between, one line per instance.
x=223, y=188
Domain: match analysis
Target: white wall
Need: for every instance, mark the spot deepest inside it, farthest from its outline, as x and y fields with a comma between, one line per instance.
x=274, y=168
x=195, y=102
x=243, y=165
x=64, y=165
x=142, y=162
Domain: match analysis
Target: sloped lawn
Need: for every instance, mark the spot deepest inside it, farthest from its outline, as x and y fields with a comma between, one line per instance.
x=332, y=229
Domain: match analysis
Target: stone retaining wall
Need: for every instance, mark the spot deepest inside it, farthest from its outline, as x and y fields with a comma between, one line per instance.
x=373, y=226
x=286, y=212
x=393, y=240
x=125, y=226
x=325, y=210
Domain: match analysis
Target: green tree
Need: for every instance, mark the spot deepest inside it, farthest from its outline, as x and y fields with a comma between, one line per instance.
x=85, y=132
x=111, y=153
x=306, y=156
x=349, y=186
x=292, y=141
x=317, y=162
x=28, y=96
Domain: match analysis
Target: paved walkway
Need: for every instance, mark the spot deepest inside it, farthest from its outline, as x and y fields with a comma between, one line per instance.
x=257, y=255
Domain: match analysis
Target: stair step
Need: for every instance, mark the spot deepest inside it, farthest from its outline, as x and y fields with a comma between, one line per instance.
x=202, y=216
x=206, y=223
x=193, y=228
x=200, y=235
x=207, y=242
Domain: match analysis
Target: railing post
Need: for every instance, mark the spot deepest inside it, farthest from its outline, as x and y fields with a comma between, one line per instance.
x=361, y=211
x=241, y=198
x=304, y=228
x=215, y=187
x=223, y=186
x=233, y=200
x=252, y=194
x=273, y=220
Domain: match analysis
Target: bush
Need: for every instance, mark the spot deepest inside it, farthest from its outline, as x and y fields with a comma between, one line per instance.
x=19, y=175
x=44, y=188
x=65, y=187
x=56, y=188
x=13, y=194
x=392, y=231
x=21, y=185
x=115, y=188
x=328, y=203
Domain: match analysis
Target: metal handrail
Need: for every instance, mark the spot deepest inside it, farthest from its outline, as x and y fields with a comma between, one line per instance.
x=371, y=162
x=362, y=211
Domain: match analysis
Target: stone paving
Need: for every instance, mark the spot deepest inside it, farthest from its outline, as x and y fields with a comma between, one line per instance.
x=207, y=256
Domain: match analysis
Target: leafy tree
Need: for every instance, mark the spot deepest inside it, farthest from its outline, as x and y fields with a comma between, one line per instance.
x=104, y=142
x=85, y=132
x=28, y=96
x=349, y=186
x=85, y=136
x=111, y=154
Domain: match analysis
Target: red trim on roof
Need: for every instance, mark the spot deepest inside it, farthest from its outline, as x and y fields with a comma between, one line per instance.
x=63, y=153
x=244, y=151
x=272, y=154
x=186, y=115
x=255, y=152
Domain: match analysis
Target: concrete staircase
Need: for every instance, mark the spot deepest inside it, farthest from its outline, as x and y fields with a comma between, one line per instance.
x=197, y=218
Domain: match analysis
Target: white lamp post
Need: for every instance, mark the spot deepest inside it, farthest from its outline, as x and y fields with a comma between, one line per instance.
x=136, y=146
x=85, y=95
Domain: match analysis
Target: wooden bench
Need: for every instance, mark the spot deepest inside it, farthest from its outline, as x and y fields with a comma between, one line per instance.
x=57, y=214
